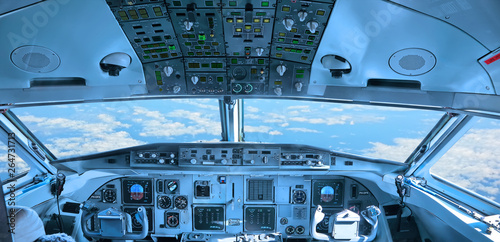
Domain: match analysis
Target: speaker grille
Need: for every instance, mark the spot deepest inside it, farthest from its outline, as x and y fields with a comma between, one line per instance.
x=412, y=62
x=36, y=59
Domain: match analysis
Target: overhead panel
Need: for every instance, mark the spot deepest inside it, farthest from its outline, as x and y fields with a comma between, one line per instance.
x=225, y=47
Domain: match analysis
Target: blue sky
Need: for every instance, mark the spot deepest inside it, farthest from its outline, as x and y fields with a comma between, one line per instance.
x=378, y=132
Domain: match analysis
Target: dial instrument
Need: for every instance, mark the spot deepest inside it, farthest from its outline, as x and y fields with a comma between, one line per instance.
x=164, y=202
x=181, y=202
x=109, y=195
x=172, y=186
x=299, y=196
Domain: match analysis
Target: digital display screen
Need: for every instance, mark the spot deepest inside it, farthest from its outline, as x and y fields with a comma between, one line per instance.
x=209, y=217
x=260, y=218
x=328, y=193
x=137, y=191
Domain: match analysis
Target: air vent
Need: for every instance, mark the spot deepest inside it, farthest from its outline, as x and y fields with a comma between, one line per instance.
x=405, y=84
x=412, y=62
x=35, y=59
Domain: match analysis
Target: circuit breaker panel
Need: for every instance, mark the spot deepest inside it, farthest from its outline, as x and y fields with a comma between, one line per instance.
x=251, y=47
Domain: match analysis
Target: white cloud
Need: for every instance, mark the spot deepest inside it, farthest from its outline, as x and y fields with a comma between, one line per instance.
x=275, y=132
x=299, y=107
x=303, y=130
x=257, y=129
x=251, y=109
x=398, y=152
x=198, y=103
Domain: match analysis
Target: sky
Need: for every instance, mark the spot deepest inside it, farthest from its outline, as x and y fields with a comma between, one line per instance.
x=377, y=132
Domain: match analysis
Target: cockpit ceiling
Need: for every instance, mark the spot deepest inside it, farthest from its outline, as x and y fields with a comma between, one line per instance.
x=51, y=51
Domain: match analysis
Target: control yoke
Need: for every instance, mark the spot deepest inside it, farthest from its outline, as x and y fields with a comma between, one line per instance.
x=113, y=224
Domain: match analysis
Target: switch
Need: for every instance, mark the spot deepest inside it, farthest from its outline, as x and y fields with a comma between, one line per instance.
x=188, y=25
x=193, y=161
x=302, y=15
x=299, y=86
x=161, y=161
x=259, y=51
x=288, y=23
x=195, y=79
x=278, y=91
x=281, y=69
x=177, y=89
x=265, y=159
x=312, y=25
x=168, y=70
x=223, y=161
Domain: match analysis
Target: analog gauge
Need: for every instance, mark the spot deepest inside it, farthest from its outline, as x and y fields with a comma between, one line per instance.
x=299, y=196
x=300, y=229
x=327, y=193
x=172, y=186
x=290, y=230
x=173, y=220
x=136, y=192
x=283, y=221
x=181, y=202
x=164, y=202
x=109, y=195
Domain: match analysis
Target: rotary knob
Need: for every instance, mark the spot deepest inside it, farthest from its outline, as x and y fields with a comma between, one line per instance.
x=265, y=159
x=281, y=69
x=168, y=70
x=161, y=161
x=302, y=15
x=177, y=89
x=193, y=161
x=223, y=161
x=312, y=25
x=288, y=23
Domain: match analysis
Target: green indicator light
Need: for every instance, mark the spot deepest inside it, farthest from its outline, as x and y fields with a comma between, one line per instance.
x=295, y=41
x=300, y=71
x=235, y=13
x=162, y=44
x=308, y=32
x=208, y=53
x=209, y=3
x=261, y=61
x=264, y=4
x=309, y=43
x=234, y=61
x=236, y=53
x=198, y=47
x=293, y=50
x=188, y=43
x=312, y=37
x=201, y=42
x=248, y=48
x=202, y=37
x=299, y=76
x=158, y=73
x=157, y=11
x=146, y=57
x=205, y=65
x=147, y=52
x=191, y=36
x=232, y=3
x=171, y=47
x=177, y=3
x=299, y=50
x=281, y=40
x=151, y=46
x=220, y=79
x=279, y=48
x=165, y=49
x=229, y=20
x=260, y=13
x=191, y=53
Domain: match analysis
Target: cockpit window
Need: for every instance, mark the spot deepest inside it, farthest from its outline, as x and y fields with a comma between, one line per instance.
x=79, y=129
x=377, y=132
x=472, y=162
x=11, y=165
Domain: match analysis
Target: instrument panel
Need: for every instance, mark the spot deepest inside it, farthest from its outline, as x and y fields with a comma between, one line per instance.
x=231, y=204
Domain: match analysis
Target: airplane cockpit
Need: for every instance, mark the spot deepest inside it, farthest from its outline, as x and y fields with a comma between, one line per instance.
x=250, y=120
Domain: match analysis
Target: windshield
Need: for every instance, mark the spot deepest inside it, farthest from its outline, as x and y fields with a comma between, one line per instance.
x=79, y=129
x=377, y=132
